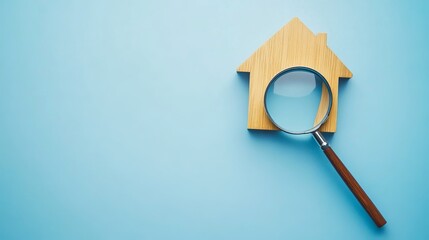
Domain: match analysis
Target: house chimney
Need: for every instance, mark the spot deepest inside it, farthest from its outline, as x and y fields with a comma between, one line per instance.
x=322, y=38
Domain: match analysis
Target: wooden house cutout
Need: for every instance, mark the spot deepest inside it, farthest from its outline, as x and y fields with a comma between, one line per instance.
x=294, y=45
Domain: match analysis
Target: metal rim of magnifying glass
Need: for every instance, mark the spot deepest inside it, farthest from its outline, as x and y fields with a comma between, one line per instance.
x=313, y=129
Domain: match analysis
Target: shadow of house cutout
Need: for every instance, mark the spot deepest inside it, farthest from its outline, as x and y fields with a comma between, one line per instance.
x=293, y=45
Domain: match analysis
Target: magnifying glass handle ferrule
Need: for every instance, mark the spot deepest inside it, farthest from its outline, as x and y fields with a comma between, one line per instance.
x=320, y=139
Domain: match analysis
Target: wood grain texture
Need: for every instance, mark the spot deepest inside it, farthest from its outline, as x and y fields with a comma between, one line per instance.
x=355, y=188
x=294, y=45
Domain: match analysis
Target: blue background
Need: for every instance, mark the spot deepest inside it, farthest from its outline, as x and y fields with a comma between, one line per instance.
x=126, y=120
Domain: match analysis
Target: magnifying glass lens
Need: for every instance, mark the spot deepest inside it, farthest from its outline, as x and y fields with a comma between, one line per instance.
x=292, y=101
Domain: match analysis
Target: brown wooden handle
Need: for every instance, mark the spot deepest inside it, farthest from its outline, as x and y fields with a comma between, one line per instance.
x=354, y=186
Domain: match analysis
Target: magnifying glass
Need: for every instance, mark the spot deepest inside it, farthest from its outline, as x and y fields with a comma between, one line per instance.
x=298, y=101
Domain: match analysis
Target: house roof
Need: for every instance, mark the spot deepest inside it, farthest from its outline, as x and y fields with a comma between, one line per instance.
x=295, y=38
